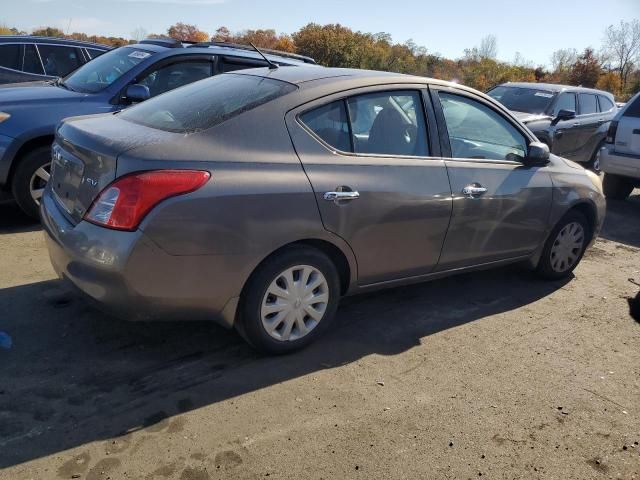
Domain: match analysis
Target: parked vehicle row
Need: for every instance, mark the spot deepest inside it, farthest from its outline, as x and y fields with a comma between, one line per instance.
x=30, y=112
x=258, y=198
x=572, y=121
x=621, y=154
x=29, y=59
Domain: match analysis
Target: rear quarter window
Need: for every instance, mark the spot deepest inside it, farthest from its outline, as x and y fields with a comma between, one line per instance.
x=10, y=56
x=202, y=105
x=606, y=105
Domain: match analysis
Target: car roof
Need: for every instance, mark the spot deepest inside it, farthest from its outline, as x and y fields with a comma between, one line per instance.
x=553, y=87
x=307, y=76
x=52, y=40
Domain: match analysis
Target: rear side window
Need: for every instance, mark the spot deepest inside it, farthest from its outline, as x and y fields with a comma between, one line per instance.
x=329, y=122
x=32, y=60
x=566, y=101
x=382, y=123
x=633, y=110
x=588, y=103
x=605, y=104
x=10, y=56
x=93, y=53
x=202, y=105
x=58, y=60
x=476, y=131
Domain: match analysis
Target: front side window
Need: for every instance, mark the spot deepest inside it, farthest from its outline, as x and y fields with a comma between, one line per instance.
x=519, y=99
x=200, y=106
x=58, y=60
x=588, y=103
x=31, y=61
x=101, y=72
x=476, y=131
x=10, y=56
x=176, y=75
x=384, y=123
x=566, y=101
x=388, y=123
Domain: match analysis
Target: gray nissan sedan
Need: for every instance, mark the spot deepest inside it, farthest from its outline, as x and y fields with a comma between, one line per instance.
x=258, y=198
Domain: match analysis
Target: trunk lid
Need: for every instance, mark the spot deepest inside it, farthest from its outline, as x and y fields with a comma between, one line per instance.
x=84, y=158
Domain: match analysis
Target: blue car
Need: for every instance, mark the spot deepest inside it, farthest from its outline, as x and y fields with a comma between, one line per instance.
x=29, y=112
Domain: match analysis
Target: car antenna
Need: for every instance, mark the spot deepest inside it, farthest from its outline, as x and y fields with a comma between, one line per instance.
x=272, y=66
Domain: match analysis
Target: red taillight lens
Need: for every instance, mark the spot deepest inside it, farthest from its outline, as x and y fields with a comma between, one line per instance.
x=124, y=203
x=611, y=134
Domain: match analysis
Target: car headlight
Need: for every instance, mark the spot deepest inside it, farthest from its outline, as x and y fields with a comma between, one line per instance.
x=595, y=180
x=4, y=116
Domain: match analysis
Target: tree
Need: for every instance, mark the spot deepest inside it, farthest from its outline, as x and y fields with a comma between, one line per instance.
x=586, y=70
x=222, y=35
x=488, y=47
x=610, y=82
x=48, y=32
x=138, y=34
x=562, y=61
x=187, y=33
x=622, y=46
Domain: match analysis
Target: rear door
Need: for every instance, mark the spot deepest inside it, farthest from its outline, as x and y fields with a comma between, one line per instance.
x=501, y=206
x=589, y=120
x=627, y=139
x=379, y=181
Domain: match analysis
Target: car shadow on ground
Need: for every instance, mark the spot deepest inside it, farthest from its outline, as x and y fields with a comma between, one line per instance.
x=12, y=220
x=622, y=223
x=75, y=375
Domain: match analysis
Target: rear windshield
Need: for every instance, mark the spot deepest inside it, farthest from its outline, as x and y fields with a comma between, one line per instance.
x=527, y=100
x=204, y=104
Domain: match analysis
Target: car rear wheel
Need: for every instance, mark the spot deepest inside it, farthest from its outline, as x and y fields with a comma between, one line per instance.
x=289, y=300
x=565, y=246
x=616, y=187
x=30, y=178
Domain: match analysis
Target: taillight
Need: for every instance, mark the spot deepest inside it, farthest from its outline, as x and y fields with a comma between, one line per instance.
x=124, y=203
x=611, y=134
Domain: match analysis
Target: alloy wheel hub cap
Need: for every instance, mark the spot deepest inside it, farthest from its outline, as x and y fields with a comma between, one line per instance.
x=567, y=247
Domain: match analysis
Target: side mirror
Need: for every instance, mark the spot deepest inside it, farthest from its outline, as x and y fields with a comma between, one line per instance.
x=538, y=153
x=566, y=115
x=137, y=93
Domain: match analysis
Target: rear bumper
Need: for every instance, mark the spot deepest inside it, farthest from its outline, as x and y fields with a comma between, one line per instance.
x=621, y=164
x=129, y=276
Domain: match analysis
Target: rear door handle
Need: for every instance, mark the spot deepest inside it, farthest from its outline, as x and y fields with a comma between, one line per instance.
x=337, y=196
x=474, y=190
x=577, y=124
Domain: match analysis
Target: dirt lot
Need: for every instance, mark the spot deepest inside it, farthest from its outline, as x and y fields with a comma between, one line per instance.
x=492, y=374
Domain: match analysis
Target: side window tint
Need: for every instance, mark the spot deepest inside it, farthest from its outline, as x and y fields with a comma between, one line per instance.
x=566, y=101
x=31, y=62
x=229, y=65
x=477, y=131
x=329, y=122
x=175, y=75
x=93, y=53
x=58, y=60
x=10, y=56
x=633, y=110
x=605, y=104
x=588, y=103
x=388, y=123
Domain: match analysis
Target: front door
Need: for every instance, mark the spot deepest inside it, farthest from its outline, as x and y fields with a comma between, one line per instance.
x=501, y=206
x=565, y=132
x=378, y=181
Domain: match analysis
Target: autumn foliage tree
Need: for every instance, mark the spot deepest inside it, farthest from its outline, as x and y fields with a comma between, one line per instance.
x=187, y=33
x=586, y=70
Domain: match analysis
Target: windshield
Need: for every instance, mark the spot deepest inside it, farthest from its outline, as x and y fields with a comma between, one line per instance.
x=102, y=71
x=201, y=105
x=528, y=100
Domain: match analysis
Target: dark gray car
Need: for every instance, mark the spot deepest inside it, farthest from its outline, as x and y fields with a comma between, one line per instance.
x=572, y=121
x=258, y=198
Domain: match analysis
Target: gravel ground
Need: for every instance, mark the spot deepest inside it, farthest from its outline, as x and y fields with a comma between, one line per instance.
x=493, y=374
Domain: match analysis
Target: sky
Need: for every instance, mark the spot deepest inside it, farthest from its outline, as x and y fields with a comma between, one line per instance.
x=535, y=29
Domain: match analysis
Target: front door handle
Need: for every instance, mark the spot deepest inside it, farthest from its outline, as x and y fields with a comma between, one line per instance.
x=338, y=196
x=474, y=190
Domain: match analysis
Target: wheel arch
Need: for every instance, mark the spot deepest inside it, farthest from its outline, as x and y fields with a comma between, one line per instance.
x=24, y=149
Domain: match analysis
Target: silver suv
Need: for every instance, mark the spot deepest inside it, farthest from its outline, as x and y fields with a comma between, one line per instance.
x=620, y=158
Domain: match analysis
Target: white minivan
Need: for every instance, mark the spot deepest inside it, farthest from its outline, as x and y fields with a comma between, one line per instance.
x=620, y=157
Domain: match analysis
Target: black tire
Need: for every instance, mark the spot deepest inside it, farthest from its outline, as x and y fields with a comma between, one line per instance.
x=249, y=321
x=20, y=184
x=545, y=268
x=616, y=187
x=594, y=164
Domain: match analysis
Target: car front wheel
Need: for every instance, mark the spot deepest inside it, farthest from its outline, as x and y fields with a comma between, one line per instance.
x=565, y=246
x=30, y=178
x=289, y=300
